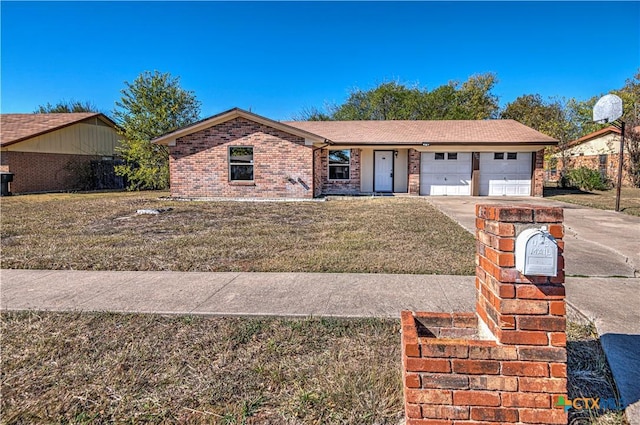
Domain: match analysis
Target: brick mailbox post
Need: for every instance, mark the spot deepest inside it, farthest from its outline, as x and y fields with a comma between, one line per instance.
x=505, y=363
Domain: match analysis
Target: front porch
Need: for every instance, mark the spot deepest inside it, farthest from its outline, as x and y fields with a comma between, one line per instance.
x=455, y=171
x=382, y=170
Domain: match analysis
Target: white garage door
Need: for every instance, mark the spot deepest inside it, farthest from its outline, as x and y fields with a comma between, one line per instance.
x=505, y=173
x=445, y=173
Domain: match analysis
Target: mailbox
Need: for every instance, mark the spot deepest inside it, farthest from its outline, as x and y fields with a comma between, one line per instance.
x=536, y=253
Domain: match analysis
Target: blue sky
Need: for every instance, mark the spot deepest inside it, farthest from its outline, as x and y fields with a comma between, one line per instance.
x=277, y=58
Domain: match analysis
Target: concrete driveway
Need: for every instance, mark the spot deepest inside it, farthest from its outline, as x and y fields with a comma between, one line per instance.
x=598, y=243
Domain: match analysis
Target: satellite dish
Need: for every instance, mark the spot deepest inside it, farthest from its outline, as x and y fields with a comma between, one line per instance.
x=607, y=109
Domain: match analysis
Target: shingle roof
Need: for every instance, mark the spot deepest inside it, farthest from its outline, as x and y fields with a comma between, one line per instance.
x=418, y=132
x=444, y=132
x=229, y=115
x=15, y=128
x=598, y=133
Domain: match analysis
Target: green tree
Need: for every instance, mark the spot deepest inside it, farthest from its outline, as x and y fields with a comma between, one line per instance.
x=441, y=103
x=630, y=95
x=583, y=116
x=387, y=101
x=66, y=106
x=470, y=100
x=632, y=145
x=557, y=118
x=475, y=98
x=153, y=105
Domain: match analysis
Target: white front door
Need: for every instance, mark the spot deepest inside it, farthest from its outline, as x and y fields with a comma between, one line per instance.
x=445, y=173
x=505, y=173
x=383, y=171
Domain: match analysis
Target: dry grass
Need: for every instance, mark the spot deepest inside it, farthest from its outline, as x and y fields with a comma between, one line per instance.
x=604, y=200
x=589, y=375
x=82, y=368
x=114, y=368
x=103, y=232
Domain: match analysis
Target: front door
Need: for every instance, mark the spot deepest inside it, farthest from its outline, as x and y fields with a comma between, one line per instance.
x=383, y=171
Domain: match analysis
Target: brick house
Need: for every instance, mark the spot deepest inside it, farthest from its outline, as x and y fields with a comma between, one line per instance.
x=240, y=154
x=598, y=151
x=46, y=152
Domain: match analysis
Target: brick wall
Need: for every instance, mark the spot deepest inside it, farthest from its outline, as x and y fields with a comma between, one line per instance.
x=4, y=161
x=339, y=187
x=283, y=165
x=593, y=162
x=506, y=363
x=44, y=172
x=612, y=169
x=317, y=171
x=538, y=174
x=414, y=172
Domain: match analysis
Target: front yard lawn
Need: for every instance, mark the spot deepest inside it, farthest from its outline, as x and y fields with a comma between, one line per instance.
x=98, y=368
x=101, y=231
x=601, y=199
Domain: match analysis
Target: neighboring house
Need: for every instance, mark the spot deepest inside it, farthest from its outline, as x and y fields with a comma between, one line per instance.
x=599, y=150
x=54, y=152
x=241, y=154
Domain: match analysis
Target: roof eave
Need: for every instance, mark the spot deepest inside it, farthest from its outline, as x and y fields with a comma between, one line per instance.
x=503, y=143
x=594, y=135
x=99, y=115
x=495, y=143
x=170, y=138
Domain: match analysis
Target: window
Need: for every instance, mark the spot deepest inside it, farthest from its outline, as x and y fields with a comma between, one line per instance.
x=603, y=160
x=240, y=163
x=439, y=155
x=603, y=166
x=452, y=155
x=512, y=155
x=498, y=155
x=339, y=161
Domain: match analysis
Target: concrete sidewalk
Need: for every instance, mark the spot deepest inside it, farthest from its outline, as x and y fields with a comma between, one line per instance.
x=278, y=294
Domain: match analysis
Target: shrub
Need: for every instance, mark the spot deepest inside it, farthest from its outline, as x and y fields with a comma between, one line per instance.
x=587, y=179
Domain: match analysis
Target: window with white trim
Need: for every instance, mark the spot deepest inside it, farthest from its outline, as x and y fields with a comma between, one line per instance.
x=339, y=164
x=505, y=155
x=240, y=163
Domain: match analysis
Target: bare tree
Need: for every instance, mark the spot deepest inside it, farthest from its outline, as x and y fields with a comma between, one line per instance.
x=66, y=106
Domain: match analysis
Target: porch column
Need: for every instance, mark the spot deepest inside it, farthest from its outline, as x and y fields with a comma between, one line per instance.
x=414, y=172
x=537, y=183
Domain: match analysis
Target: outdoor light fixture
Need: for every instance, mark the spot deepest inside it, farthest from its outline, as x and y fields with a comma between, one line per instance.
x=425, y=144
x=395, y=153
